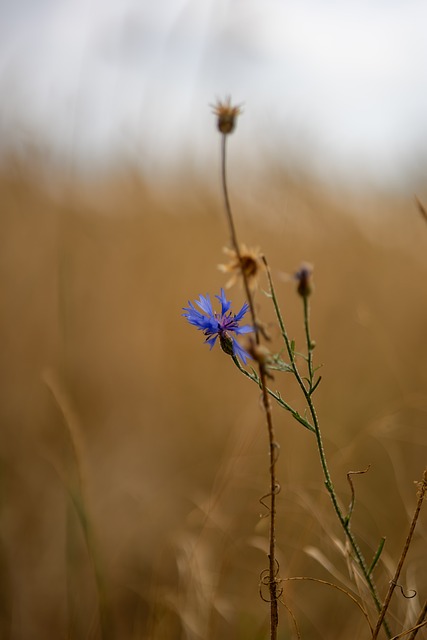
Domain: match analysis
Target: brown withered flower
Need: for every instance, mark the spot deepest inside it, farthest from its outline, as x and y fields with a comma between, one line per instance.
x=251, y=263
x=226, y=115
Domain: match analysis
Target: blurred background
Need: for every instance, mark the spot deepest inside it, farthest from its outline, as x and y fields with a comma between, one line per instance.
x=337, y=88
x=132, y=459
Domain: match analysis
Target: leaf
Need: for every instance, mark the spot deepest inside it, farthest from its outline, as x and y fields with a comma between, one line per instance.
x=316, y=384
x=277, y=364
x=376, y=556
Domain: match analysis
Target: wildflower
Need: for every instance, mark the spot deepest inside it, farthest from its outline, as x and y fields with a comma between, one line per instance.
x=251, y=264
x=219, y=325
x=226, y=115
x=304, y=278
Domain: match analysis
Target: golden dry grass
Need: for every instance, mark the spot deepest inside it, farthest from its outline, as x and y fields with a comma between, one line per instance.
x=109, y=397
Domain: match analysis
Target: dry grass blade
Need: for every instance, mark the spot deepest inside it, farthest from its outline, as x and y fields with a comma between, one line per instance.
x=334, y=586
x=413, y=631
x=353, y=492
x=78, y=496
x=421, y=208
x=419, y=622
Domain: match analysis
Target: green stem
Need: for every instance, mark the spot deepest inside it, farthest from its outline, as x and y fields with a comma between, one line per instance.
x=315, y=422
x=309, y=341
x=276, y=395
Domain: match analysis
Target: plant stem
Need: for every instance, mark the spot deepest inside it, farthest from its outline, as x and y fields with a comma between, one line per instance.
x=276, y=395
x=308, y=339
x=419, y=622
x=344, y=521
x=273, y=447
x=393, y=582
x=233, y=234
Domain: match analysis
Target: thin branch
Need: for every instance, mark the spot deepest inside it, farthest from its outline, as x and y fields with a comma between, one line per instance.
x=393, y=583
x=420, y=622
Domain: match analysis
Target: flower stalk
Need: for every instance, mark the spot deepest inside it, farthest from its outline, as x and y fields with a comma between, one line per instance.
x=307, y=391
x=272, y=579
x=246, y=264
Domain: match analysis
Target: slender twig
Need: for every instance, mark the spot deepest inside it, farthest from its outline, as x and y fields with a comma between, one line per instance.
x=420, y=621
x=393, y=583
x=273, y=448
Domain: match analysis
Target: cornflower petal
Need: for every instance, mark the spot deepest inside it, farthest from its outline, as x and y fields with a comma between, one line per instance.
x=211, y=341
x=240, y=352
x=242, y=312
x=196, y=318
x=247, y=328
x=225, y=304
x=204, y=302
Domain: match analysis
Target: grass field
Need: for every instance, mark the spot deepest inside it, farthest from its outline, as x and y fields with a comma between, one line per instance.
x=132, y=459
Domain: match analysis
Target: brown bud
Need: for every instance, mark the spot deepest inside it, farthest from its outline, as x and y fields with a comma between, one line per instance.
x=305, y=281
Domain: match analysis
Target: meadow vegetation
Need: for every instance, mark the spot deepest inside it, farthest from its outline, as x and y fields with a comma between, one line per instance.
x=132, y=459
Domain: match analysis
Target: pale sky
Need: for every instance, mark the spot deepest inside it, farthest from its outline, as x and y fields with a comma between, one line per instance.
x=339, y=83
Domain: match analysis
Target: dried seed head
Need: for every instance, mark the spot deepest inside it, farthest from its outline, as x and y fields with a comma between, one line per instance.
x=305, y=281
x=251, y=264
x=226, y=115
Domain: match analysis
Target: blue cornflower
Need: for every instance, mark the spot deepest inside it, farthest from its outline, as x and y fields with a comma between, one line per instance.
x=219, y=325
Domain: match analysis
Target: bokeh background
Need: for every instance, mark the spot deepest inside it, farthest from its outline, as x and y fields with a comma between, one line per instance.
x=132, y=459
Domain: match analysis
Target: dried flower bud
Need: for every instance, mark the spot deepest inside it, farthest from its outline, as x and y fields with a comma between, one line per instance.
x=260, y=354
x=304, y=278
x=226, y=115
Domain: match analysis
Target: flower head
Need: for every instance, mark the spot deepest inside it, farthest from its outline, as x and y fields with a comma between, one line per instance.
x=226, y=115
x=219, y=325
x=304, y=278
x=251, y=263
